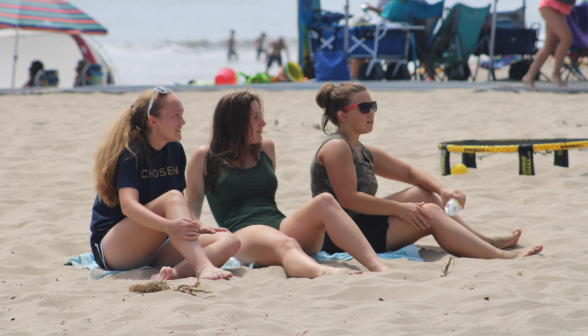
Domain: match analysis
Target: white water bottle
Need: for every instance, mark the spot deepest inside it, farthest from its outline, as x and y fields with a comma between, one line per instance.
x=452, y=207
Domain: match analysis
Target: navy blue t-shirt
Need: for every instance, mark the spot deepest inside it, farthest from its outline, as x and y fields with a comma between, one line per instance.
x=165, y=173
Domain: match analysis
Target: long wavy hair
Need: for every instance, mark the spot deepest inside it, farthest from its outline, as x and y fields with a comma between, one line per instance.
x=230, y=136
x=128, y=131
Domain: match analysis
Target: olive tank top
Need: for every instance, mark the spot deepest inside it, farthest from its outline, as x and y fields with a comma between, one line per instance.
x=246, y=197
x=366, y=180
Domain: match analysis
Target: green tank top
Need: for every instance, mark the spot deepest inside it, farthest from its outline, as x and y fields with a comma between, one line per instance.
x=366, y=179
x=246, y=197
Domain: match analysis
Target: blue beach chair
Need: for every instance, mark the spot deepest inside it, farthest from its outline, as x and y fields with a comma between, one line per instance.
x=578, y=23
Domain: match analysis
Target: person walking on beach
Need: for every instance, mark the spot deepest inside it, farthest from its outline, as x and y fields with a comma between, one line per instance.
x=259, y=42
x=558, y=37
x=346, y=169
x=232, y=53
x=274, y=52
x=236, y=173
x=140, y=216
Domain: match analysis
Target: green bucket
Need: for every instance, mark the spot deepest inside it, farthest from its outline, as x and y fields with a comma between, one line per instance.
x=293, y=72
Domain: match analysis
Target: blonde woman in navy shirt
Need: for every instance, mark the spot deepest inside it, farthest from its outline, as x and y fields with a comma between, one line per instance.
x=140, y=216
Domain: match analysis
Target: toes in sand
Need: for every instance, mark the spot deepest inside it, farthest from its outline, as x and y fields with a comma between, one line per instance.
x=503, y=242
x=166, y=273
x=530, y=83
x=328, y=270
x=525, y=252
x=213, y=273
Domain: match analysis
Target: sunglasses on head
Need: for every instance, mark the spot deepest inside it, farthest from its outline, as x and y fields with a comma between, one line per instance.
x=363, y=107
x=161, y=90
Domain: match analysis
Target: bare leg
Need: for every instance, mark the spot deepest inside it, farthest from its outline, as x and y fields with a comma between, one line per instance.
x=218, y=247
x=418, y=194
x=560, y=27
x=268, y=246
x=556, y=28
x=322, y=213
x=451, y=236
x=129, y=245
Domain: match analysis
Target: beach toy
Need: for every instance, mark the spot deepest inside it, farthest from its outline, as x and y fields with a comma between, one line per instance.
x=225, y=76
x=289, y=72
x=459, y=168
x=260, y=77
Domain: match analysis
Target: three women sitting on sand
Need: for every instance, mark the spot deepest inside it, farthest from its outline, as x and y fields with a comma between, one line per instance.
x=141, y=218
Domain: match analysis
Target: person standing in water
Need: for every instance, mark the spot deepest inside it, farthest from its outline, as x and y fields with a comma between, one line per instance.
x=231, y=52
x=259, y=42
x=274, y=52
x=558, y=37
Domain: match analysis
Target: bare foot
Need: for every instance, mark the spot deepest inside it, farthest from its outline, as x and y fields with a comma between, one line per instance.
x=212, y=273
x=530, y=82
x=166, y=273
x=557, y=80
x=524, y=252
x=328, y=270
x=503, y=242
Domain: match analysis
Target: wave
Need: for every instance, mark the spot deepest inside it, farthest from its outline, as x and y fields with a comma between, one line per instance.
x=194, y=45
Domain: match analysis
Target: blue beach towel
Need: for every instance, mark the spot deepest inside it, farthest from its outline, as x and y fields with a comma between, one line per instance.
x=409, y=252
x=86, y=260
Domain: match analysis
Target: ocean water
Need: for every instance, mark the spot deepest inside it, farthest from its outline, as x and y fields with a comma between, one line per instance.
x=174, y=41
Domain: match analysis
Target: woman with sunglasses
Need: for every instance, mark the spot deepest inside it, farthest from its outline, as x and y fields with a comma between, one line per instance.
x=236, y=173
x=140, y=216
x=347, y=169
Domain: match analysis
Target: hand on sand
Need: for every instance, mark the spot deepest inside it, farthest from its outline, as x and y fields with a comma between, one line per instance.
x=502, y=242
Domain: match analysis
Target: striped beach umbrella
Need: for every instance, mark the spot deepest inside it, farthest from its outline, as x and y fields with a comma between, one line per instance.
x=46, y=15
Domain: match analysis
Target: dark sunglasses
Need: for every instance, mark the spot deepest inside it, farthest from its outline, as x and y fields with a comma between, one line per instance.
x=155, y=91
x=363, y=107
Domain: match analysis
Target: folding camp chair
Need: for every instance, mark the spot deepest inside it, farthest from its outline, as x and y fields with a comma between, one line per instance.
x=426, y=15
x=578, y=23
x=456, y=40
x=512, y=40
x=384, y=41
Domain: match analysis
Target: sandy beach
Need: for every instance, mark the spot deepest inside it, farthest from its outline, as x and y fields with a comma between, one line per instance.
x=46, y=194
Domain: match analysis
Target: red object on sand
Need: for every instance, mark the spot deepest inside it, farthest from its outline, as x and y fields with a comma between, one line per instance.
x=225, y=76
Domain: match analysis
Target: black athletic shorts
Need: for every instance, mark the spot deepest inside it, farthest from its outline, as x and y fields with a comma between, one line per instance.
x=272, y=58
x=373, y=227
x=98, y=253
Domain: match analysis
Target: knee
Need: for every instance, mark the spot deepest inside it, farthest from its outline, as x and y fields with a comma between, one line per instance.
x=233, y=243
x=288, y=244
x=434, y=209
x=175, y=197
x=327, y=201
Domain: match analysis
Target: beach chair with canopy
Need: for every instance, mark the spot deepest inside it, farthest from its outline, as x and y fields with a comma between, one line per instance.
x=426, y=15
x=456, y=40
x=578, y=22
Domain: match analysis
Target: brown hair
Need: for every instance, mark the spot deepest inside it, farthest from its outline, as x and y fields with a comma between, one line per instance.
x=128, y=131
x=333, y=98
x=230, y=135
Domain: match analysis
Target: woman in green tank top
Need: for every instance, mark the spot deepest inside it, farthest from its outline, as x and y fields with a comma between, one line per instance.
x=236, y=174
x=346, y=169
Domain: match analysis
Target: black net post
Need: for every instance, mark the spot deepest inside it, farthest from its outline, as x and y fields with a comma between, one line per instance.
x=560, y=158
x=526, y=166
x=469, y=160
x=445, y=167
